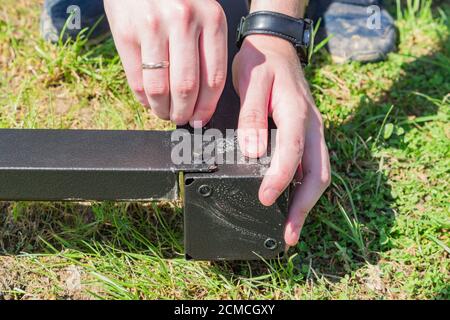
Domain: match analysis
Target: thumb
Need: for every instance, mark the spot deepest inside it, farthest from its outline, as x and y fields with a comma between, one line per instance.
x=255, y=89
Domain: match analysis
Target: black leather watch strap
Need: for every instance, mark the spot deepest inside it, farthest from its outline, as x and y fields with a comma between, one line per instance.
x=296, y=31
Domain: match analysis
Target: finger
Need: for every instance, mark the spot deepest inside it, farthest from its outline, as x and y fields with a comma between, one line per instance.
x=255, y=87
x=213, y=72
x=315, y=180
x=155, y=49
x=184, y=74
x=130, y=54
x=129, y=50
x=290, y=114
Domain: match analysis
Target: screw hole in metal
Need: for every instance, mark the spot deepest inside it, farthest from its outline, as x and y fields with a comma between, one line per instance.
x=270, y=244
x=205, y=190
x=189, y=181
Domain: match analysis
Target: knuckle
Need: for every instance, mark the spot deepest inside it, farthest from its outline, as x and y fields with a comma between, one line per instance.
x=217, y=80
x=253, y=117
x=217, y=16
x=325, y=180
x=186, y=88
x=137, y=88
x=304, y=115
x=139, y=92
x=285, y=176
x=125, y=37
x=153, y=23
x=156, y=88
x=184, y=13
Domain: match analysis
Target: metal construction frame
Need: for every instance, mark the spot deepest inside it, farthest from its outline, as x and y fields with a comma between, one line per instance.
x=223, y=217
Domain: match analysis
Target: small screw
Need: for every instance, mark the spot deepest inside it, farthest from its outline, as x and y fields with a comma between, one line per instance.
x=270, y=244
x=205, y=190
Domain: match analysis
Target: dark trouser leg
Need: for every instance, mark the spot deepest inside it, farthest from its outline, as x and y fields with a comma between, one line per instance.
x=227, y=112
x=57, y=12
x=87, y=13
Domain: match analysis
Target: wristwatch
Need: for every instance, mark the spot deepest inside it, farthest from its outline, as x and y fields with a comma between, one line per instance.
x=297, y=31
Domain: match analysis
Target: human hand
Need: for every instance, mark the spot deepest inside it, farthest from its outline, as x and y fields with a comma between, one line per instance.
x=269, y=79
x=191, y=36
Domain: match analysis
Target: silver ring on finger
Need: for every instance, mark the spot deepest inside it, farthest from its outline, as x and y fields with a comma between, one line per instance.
x=153, y=66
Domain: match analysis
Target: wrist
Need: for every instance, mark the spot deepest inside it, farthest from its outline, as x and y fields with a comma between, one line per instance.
x=293, y=8
x=277, y=30
x=272, y=49
x=269, y=42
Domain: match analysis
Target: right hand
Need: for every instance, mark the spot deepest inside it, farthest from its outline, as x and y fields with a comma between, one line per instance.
x=191, y=35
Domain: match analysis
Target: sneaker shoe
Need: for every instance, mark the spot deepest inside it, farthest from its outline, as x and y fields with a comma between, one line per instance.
x=92, y=17
x=357, y=30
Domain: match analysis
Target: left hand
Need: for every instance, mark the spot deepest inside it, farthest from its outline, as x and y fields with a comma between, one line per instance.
x=269, y=80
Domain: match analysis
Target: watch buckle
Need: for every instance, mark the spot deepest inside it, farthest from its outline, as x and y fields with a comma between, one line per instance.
x=239, y=32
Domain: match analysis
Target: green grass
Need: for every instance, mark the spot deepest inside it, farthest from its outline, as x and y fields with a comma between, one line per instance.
x=381, y=231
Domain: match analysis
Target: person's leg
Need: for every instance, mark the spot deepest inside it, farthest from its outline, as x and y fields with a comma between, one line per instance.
x=56, y=12
x=356, y=31
x=227, y=111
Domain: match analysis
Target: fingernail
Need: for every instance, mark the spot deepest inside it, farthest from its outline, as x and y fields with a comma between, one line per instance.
x=292, y=234
x=271, y=195
x=196, y=123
